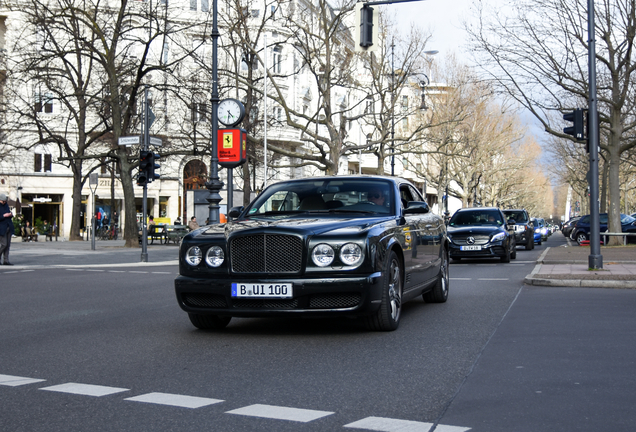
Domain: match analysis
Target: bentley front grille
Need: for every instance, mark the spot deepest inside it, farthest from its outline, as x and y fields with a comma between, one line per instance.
x=204, y=300
x=266, y=253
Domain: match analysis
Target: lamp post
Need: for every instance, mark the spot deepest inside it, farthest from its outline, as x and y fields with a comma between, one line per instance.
x=214, y=185
x=392, y=107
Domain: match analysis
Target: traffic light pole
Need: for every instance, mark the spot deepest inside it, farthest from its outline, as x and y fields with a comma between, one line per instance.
x=144, y=230
x=595, y=260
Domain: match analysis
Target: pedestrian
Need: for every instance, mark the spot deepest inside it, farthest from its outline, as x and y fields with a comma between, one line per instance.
x=6, y=229
x=177, y=221
x=151, y=220
x=46, y=228
x=115, y=224
x=193, y=223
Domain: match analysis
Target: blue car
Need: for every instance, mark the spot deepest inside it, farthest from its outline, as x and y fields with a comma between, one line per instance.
x=581, y=231
x=538, y=237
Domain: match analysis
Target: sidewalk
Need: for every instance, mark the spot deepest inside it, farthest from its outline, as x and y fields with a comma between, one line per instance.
x=567, y=266
x=67, y=254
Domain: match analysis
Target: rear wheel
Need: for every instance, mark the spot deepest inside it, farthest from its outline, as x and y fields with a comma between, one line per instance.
x=209, y=322
x=439, y=294
x=387, y=318
x=581, y=237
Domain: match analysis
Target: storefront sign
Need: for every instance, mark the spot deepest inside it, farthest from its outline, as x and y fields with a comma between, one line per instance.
x=231, y=147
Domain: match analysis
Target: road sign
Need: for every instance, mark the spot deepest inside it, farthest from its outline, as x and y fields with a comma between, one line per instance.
x=155, y=141
x=128, y=141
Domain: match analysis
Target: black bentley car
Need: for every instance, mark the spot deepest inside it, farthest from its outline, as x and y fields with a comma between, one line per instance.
x=481, y=232
x=333, y=246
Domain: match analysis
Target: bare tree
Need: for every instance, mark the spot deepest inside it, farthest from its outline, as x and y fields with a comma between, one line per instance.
x=542, y=63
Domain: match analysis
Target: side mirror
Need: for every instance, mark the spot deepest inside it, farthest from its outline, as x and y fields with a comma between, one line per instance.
x=235, y=212
x=414, y=207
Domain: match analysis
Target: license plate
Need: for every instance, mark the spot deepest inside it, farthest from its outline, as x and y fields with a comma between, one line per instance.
x=470, y=248
x=278, y=290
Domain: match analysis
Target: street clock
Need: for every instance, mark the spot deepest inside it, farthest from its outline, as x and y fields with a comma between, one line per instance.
x=231, y=112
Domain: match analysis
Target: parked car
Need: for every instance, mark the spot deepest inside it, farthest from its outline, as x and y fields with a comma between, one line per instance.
x=524, y=230
x=481, y=232
x=581, y=231
x=358, y=246
x=568, y=226
x=538, y=237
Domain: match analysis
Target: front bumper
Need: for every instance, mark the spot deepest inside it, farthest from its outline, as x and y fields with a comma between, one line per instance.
x=349, y=296
x=496, y=250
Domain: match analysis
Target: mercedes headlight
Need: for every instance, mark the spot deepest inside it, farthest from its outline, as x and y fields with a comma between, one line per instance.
x=498, y=237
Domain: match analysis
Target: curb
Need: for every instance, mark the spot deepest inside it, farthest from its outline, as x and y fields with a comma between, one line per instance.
x=580, y=283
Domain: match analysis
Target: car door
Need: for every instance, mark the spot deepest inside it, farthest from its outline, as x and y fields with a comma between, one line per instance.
x=420, y=238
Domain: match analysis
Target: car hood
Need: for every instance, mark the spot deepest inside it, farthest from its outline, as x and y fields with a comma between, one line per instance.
x=301, y=226
x=475, y=229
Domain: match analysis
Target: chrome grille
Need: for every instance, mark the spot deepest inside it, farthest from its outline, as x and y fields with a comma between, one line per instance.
x=479, y=239
x=334, y=301
x=266, y=253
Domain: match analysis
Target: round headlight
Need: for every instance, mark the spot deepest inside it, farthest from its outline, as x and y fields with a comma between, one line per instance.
x=350, y=254
x=215, y=256
x=322, y=255
x=193, y=256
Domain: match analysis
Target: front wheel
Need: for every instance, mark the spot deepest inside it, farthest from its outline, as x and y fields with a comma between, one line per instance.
x=209, y=322
x=387, y=318
x=439, y=293
x=506, y=257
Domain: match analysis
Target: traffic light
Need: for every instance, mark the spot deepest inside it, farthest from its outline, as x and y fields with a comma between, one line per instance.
x=577, y=130
x=366, y=26
x=152, y=175
x=145, y=162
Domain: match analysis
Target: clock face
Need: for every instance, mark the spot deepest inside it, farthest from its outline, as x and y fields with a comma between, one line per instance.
x=231, y=112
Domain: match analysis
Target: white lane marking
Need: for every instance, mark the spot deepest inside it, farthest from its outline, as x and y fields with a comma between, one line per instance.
x=116, y=271
x=91, y=270
x=85, y=389
x=280, y=413
x=390, y=425
x=493, y=279
x=14, y=381
x=461, y=278
x=144, y=272
x=74, y=269
x=445, y=428
x=174, y=400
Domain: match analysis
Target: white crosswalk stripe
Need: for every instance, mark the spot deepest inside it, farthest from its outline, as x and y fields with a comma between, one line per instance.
x=14, y=381
x=280, y=413
x=85, y=389
x=383, y=424
x=174, y=400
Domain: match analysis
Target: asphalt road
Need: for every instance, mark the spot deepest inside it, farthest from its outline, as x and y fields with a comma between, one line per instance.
x=104, y=348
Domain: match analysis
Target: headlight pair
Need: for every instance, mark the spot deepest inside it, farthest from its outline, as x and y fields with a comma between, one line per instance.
x=323, y=254
x=214, y=257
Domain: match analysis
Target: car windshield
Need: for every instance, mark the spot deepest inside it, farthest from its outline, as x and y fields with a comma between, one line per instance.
x=519, y=216
x=361, y=196
x=626, y=219
x=476, y=217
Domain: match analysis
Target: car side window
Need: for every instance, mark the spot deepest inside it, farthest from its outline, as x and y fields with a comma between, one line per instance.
x=406, y=195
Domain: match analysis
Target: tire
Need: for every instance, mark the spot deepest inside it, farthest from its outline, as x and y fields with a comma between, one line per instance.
x=530, y=242
x=439, y=293
x=513, y=254
x=580, y=236
x=209, y=322
x=506, y=257
x=387, y=318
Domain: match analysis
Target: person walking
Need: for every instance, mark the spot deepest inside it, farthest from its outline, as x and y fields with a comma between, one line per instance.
x=6, y=229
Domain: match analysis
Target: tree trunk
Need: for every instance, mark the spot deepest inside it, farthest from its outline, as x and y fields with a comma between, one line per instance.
x=614, y=214
x=74, y=235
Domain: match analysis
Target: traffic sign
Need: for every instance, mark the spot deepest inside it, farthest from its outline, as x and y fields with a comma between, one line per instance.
x=129, y=140
x=155, y=141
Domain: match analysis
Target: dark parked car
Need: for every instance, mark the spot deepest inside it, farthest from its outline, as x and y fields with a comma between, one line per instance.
x=524, y=230
x=567, y=227
x=481, y=232
x=581, y=231
x=355, y=246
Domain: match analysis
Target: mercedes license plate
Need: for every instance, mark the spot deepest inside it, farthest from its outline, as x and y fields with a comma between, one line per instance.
x=470, y=248
x=277, y=290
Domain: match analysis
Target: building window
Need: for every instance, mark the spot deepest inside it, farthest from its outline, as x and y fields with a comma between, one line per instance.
x=44, y=103
x=277, y=59
x=256, y=13
x=205, y=6
x=193, y=5
x=405, y=103
x=405, y=122
x=38, y=166
x=273, y=11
